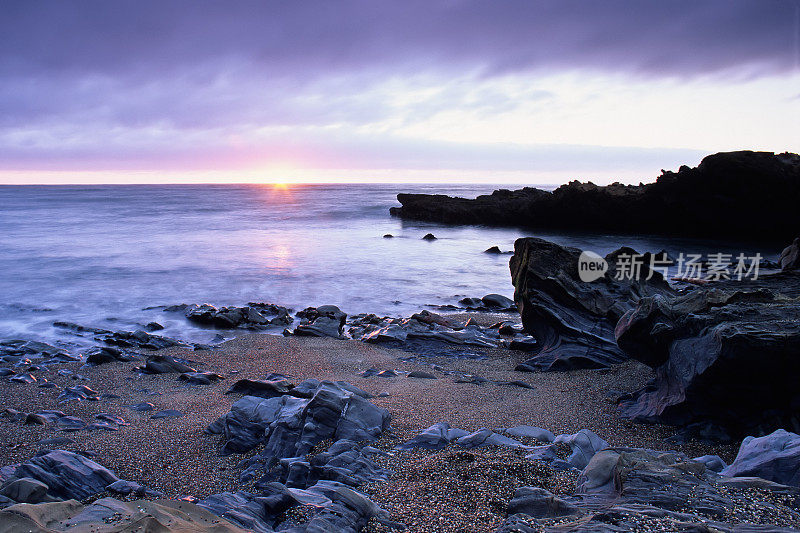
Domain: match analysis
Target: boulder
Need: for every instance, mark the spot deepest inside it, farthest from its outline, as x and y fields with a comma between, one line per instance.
x=26, y=490
x=166, y=364
x=572, y=320
x=67, y=475
x=774, y=457
x=323, y=321
x=530, y=432
x=725, y=356
x=333, y=411
x=498, y=301
x=540, y=503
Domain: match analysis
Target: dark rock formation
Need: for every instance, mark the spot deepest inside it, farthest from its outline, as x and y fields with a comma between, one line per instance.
x=693, y=201
x=790, y=256
x=288, y=472
x=333, y=411
x=323, y=321
x=725, y=357
x=255, y=315
x=572, y=320
x=774, y=457
x=66, y=475
x=631, y=489
x=166, y=364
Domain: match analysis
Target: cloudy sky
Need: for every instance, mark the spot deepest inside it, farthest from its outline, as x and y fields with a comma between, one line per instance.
x=367, y=90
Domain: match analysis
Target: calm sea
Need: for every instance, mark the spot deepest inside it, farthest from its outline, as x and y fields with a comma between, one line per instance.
x=99, y=255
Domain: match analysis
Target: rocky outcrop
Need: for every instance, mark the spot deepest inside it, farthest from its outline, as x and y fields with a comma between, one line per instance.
x=633, y=489
x=57, y=475
x=286, y=429
x=252, y=316
x=110, y=515
x=572, y=320
x=693, y=201
x=725, y=357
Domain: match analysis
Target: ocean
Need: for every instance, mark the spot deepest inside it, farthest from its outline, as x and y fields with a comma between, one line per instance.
x=104, y=256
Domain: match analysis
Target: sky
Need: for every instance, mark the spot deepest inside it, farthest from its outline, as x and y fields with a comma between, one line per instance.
x=497, y=91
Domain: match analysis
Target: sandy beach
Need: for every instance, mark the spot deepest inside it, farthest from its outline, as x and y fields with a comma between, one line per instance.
x=176, y=456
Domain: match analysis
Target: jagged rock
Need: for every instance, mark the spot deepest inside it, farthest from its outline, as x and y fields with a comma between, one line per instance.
x=774, y=457
x=270, y=388
x=131, y=487
x=140, y=339
x=573, y=321
x=166, y=364
x=105, y=354
x=692, y=201
x=540, y=503
x=790, y=256
x=324, y=321
x=255, y=315
x=530, y=432
x=583, y=445
x=333, y=411
x=487, y=437
x=26, y=490
x=16, y=348
x=724, y=356
x=436, y=437
x=78, y=393
x=714, y=463
x=67, y=475
x=471, y=302
x=200, y=378
x=441, y=435
x=23, y=378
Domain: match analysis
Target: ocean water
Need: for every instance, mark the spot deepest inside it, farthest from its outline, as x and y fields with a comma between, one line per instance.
x=100, y=255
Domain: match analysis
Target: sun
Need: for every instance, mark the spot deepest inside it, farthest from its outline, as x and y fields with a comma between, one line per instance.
x=280, y=186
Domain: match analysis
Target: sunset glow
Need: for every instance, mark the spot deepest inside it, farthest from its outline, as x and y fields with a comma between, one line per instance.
x=527, y=97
